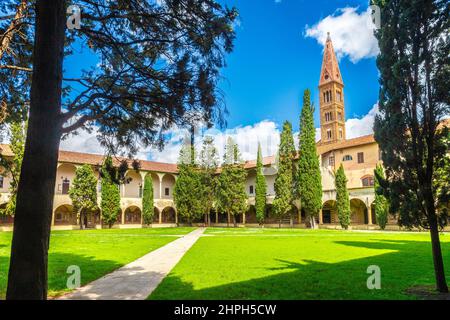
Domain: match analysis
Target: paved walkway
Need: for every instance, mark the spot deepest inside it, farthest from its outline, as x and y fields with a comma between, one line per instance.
x=138, y=279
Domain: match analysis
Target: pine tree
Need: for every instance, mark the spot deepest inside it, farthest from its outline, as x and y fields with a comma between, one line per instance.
x=381, y=204
x=147, y=200
x=231, y=195
x=110, y=203
x=282, y=203
x=208, y=163
x=83, y=193
x=133, y=95
x=342, y=198
x=309, y=180
x=261, y=189
x=414, y=97
x=188, y=185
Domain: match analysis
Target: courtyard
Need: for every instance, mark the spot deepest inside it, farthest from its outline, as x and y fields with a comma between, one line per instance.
x=251, y=263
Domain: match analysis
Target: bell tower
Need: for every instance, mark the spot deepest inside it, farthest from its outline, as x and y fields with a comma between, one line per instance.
x=331, y=90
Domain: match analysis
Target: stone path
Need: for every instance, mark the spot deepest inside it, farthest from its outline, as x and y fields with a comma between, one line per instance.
x=138, y=279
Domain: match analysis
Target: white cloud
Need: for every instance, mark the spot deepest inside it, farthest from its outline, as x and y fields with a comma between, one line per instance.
x=351, y=32
x=357, y=127
x=266, y=132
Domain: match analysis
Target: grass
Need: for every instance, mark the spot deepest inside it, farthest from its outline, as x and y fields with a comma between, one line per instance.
x=96, y=252
x=301, y=264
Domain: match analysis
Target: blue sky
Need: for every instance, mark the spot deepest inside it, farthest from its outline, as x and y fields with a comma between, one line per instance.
x=277, y=55
x=273, y=62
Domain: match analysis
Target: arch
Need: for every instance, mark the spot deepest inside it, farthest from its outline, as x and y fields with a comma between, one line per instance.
x=133, y=188
x=155, y=183
x=168, y=215
x=359, y=212
x=168, y=183
x=133, y=215
x=329, y=212
x=373, y=213
x=64, y=178
x=155, y=215
x=5, y=218
x=250, y=215
x=64, y=216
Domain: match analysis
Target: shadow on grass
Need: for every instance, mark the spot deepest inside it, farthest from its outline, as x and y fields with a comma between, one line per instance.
x=91, y=268
x=408, y=264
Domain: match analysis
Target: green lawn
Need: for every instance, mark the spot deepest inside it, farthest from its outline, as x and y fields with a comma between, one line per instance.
x=301, y=264
x=96, y=252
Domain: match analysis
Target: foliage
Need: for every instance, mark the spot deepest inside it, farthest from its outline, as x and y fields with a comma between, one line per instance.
x=110, y=203
x=208, y=164
x=187, y=186
x=261, y=188
x=12, y=167
x=414, y=67
x=147, y=200
x=309, y=180
x=83, y=192
x=231, y=194
x=381, y=204
x=342, y=198
x=282, y=203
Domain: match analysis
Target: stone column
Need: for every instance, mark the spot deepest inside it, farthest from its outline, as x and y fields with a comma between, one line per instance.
x=176, y=216
x=160, y=176
x=369, y=215
x=320, y=217
x=160, y=216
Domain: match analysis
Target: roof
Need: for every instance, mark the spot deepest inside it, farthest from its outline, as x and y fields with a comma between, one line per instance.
x=324, y=148
x=330, y=68
x=96, y=159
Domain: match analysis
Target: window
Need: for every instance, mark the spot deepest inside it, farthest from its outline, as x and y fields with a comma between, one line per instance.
x=251, y=190
x=329, y=134
x=340, y=116
x=341, y=135
x=347, y=158
x=331, y=161
x=328, y=116
x=1, y=182
x=338, y=96
x=367, y=181
x=166, y=191
x=360, y=157
x=65, y=186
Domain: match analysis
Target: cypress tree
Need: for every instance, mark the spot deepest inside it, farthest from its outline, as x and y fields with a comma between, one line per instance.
x=261, y=189
x=147, y=200
x=83, y=192
x=12, y=167
x=342, y=198
x=208, y=163
x=309, y=180
x=231, y=195
x=381, y=204
x=282, y=203
x=110, y=203
x=187, y=185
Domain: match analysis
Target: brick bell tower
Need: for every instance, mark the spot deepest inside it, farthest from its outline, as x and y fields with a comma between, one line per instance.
x=331, y=90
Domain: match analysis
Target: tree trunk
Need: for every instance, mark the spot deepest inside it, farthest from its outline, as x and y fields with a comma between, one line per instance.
x=27, y=278
x=228, y=220
x=441, y=283
x=234, y=221
x=312, y=221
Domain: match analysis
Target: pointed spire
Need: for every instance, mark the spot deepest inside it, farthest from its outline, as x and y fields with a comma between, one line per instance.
x=330, y=67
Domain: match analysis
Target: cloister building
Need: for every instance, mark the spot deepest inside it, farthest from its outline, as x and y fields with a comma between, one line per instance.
x=359, y=157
